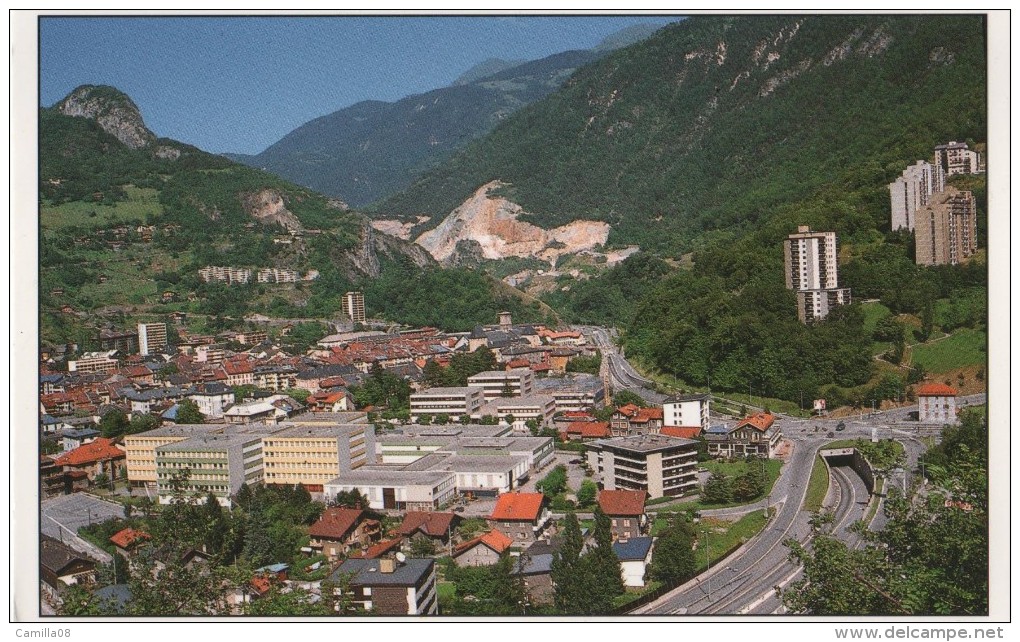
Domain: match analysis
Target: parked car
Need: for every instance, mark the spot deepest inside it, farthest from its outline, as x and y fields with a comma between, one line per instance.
x=841, y=426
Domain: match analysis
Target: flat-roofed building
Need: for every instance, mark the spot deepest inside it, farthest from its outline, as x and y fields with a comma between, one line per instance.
x=140, y=449
x=353, y=305
x=687, y=411
x=454, y=402
x=152, y=338
x=504, y=383
x=479, y=475
x=910, y=192
x=389, y=587
x=314, y=455
x=90, y=362
x=540, y=408
x=659, y=464
x=388, y=488
x=946, y=229
x=573, y=392
x=215, y=463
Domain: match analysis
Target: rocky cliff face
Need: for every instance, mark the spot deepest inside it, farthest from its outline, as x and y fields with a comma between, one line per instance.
x=268, y=206
x=490, y=223
x=113, y=110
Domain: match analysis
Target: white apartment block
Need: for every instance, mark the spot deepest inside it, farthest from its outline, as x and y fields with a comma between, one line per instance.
x=910, y=192
x=503, y=383
x=955, y=158
x=152, y=338
x=91, y=362
x=454, y=402
x=811, y=260
x=686, y=411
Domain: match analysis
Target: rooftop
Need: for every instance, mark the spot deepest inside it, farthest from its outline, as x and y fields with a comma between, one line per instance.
x=700, y=396
x=623, y=502
x=518, y=507
x=366, y=572
x=635, y=548
x=379, y=475
x=646, y=443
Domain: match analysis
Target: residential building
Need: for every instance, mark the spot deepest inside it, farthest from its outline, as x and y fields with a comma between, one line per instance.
x=946, y=229
x=315, y=455
x=275, y=378
x=661, y=465
x=215, y=463
x=353, y=305
x=140, y=449
x=276, y=275
x=212, y=398
x=143, y=401
x=252, y=337
x=339, y=530
x=124, y=342
x=626, y=511
x=635, y=554
x=152, y=338
x=389, y=587
x=936, y=404
x=573, y=392
x=910, y=192
x=225, y=274
x=503, y=383
x=757, y=436
x=394, y=489
x=453, y=402
x=955, y=158
x=687, y=411
x=521, y=516
x=630, y=419
x=127, y=541
x=61, y=566
x=90, y=362
x=434, y=526
x=811, y=270
x=239, y=373
x=483, y=550
x=75, y=438
x=101, y=456
x=583, y=430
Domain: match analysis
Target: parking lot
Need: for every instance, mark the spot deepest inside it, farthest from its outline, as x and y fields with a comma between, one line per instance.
x=61, y=517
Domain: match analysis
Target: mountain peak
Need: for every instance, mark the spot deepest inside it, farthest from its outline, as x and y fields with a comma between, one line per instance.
x=112, y=109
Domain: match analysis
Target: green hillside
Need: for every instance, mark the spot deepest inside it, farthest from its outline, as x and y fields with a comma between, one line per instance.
x=712, y=125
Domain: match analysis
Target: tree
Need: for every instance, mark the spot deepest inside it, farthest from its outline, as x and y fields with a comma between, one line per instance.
x=188, y=413
x=569, y=591
x=554, y=483
x=79, y=600
x=587, y=493
x=625, y=397
x=422, y=547
x=506, y=585
x=173, y=590
x=673, y=561
x=295, y=601
x=350, y=499
x=142, y=422
x=114, y=423
x=718, y=489
x=600, y=570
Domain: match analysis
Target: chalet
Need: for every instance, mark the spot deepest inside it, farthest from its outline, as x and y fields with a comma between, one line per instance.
x=61, y=566
x=433, y=526
x=128, y=541
x=521, y=516
x=583, y=430
x=626, y=510
x=329, y=401
x=341, y=529
x=385, y=549
x=483, y=550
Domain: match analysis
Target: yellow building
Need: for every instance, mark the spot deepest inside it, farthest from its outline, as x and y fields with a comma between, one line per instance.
x=141, y=449
x=313, y=455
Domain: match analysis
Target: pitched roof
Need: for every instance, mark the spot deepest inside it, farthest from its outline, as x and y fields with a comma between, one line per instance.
x=635, y=548
x=99, y=450
x=372, y=552
x=623, y=502
x=684, y=432
x=494, y=539
x=935, y=390
x=56, y=556
x=589, y=429
x=430, y=523
x=759, y=421
x=335, y=522
x=128, y=537
x=518, y=507
x=644, y=415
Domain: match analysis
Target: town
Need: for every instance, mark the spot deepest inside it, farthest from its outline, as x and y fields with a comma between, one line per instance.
x=400, y=487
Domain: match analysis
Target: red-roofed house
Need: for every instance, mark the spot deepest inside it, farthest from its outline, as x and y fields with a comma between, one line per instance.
x=631, y=420
x=483, y=550
x=339, y=529
x=129, y=540
x=328, y=401
x=626, y=509
x=585, y=430
x=521, y=516
x=239, y=373
x=93, y=458
x=432, y=525
x=936, y=404
x=757, y=435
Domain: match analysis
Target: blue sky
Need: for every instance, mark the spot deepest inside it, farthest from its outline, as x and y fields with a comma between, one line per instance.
x=239, y=84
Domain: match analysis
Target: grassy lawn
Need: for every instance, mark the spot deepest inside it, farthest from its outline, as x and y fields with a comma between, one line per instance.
x=965, y=347
x=634, y=593
x=873, y=313
x=140, y=203
x=722, y=536
x=446, y=590
x=818, y=486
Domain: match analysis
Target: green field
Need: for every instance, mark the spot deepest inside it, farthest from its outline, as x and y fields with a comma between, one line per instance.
x=873, y=313
x=964, y=348
x=141, y=204
x=818, y=486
